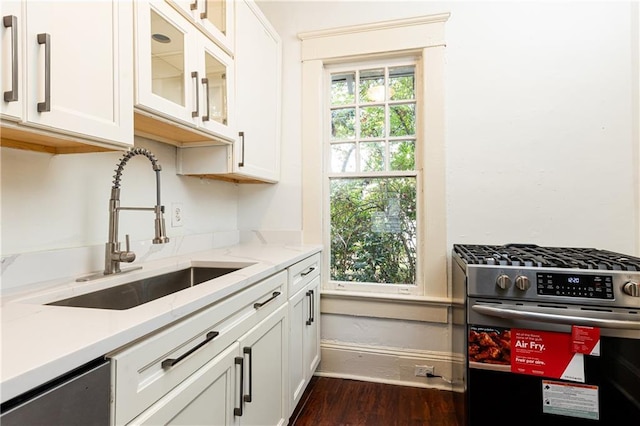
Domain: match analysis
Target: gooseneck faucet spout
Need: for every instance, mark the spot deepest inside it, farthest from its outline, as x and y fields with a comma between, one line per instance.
x=113, y=255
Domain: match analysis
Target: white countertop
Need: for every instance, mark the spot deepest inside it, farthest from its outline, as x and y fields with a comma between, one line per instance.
x=40, y=342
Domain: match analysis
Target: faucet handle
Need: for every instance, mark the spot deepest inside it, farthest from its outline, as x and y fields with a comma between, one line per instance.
x=127, y=255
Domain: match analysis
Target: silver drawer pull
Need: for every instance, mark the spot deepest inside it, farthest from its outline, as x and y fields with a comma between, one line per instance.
x=12, y=21
x=45, y=39
x=194, y=114
x=310, y=296
x=308, y=271
x=237, y=411
x=247, y=351
x=170, y=362
x=260, y=305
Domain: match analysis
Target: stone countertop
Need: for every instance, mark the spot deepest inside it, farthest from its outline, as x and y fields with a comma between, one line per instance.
x=40, y=342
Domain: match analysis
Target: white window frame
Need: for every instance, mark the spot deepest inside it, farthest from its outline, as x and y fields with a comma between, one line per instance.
x=423, y=37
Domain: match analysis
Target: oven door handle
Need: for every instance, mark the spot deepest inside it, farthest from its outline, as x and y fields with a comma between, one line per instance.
x=530, y=315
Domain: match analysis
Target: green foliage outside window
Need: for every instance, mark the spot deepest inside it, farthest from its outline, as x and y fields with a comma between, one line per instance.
x=373, y=230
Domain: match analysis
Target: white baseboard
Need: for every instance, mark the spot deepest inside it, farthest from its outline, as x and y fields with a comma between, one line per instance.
x=389, y=365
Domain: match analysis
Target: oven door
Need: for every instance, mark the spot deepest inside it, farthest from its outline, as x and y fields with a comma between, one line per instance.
x=551, y=365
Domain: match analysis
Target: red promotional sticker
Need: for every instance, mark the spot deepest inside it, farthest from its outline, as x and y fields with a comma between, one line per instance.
x=545, y=353
x=585, y=340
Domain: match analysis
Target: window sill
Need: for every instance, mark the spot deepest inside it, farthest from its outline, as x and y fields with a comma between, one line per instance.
x=391, y=297
x=392, y=306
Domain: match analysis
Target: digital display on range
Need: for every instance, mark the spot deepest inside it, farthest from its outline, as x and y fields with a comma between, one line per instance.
x=575, y=285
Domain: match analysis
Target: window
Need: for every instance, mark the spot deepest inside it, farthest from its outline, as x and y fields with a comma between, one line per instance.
x=372, y=177
x=378, y=153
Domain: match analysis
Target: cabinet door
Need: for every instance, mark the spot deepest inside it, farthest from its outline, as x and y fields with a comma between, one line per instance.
x=216, y=82
x=12, y=64
x=166, y=78
x=312, y=329
x=299, y=314
x=265, y=353
x=258, y=63
x=79, y=67
x=214, y=17
x=206, y=398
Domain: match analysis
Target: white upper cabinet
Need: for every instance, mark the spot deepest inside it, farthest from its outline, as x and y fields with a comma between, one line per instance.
x=258, y=93
x=181, y=75
x=67, y=68
x=255, y=155
x=213, y=17
x=12, y=60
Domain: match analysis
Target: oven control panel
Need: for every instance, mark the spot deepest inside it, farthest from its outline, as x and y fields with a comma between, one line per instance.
x=575, y=285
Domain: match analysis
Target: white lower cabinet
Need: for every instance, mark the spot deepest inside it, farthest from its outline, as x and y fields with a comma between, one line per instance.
x=264, y=354
x=205, y=398
x=243, y=361
x=304, y=326
x=244, y=385
x=182, y=373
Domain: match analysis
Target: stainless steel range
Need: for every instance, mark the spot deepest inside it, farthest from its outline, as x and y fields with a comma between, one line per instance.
x=552, y=334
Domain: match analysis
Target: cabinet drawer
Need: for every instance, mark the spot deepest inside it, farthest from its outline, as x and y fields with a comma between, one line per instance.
x=303, y=272
x=145, y=371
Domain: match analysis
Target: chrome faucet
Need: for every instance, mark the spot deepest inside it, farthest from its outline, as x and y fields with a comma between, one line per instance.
x=113, y=254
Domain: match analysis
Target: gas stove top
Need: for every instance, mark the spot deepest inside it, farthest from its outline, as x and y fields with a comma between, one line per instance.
x=549, y=257
x=523, y=272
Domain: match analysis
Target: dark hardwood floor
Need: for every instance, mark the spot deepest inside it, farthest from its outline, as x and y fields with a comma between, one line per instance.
x=333, y=402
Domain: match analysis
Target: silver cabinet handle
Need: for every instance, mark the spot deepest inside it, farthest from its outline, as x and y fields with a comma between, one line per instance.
x=241, y=163
x=260, y=305
x=44, y=38
x=237, y=411
x=170, y=362
x=308, y=271
x=12, y=21
x=194, y=74
x=532, y=315
x=205, y=83
x=310, y=296
x=247, y=351
x=203, y=15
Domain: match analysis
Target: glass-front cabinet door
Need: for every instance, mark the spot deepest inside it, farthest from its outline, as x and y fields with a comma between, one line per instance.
x=213, y=17
x=217, y=79
x=163, y=39
x=182, y=75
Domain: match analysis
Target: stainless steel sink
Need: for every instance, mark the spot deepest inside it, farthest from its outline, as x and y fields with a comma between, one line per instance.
x=136, y=293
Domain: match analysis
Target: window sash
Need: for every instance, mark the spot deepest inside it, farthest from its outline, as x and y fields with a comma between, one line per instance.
x=416, y=288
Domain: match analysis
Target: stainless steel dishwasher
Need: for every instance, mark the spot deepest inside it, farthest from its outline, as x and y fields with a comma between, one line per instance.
x=80, y=397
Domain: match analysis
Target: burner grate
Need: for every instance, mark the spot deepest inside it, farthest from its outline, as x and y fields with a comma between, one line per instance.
x=553, y=257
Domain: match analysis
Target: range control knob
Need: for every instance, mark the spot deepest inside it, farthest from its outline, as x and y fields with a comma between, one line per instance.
x=632, y=289
x=503, y=281
x=522, y=283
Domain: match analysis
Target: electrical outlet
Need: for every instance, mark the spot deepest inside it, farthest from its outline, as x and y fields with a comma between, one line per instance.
x=177, y=215
x=424, y=370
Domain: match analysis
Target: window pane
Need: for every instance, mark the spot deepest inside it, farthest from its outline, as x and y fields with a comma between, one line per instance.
x=372, y=156
x=343, y=123
x=343, y=157
x=402, y=155
x=372, y=85
x=372, y=122
x=373, y=230
x=402, y=83
x=342, y=88
x=402, y=120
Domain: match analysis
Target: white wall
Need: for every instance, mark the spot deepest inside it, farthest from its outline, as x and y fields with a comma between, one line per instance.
x=540, y=123
x=53, y=202
x=541, y=136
